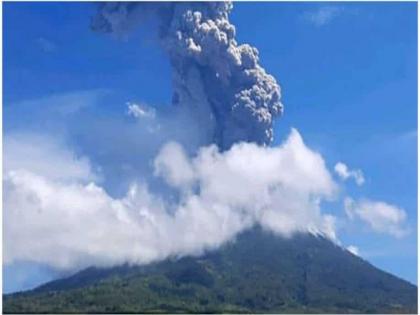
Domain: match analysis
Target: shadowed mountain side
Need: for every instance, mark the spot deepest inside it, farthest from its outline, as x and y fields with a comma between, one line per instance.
x=259, y=272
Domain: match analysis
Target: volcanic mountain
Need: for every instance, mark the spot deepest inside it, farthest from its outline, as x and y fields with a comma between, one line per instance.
x=258, y=272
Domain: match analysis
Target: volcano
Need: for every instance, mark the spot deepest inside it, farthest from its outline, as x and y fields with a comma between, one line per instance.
x=258, y=272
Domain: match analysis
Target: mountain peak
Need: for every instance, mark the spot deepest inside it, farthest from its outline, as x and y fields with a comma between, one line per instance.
x=257, y=272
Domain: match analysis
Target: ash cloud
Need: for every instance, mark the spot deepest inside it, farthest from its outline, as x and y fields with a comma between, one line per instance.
x=220, y=82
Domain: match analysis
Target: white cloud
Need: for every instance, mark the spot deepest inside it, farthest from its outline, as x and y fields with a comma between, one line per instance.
x=380, y=216
x=323, y=15
x=43, y=154
x=140, y=111
x=345, y=173
x=173, y=164
x=70, y=224
x=354, y=250
x=53, y=107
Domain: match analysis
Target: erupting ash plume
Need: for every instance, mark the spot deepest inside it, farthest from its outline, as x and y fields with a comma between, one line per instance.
x=98, y=188
x=220, y=82
x=189, y=199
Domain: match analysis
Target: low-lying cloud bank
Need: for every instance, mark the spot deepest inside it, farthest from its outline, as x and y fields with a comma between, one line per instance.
x=71, y=222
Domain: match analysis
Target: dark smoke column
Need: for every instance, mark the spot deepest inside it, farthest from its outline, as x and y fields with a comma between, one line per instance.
x=216, y=79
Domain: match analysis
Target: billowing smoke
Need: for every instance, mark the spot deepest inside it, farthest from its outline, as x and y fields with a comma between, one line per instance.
x=220, y=82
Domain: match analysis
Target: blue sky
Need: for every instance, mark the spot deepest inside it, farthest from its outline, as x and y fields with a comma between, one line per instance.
x=348, y=73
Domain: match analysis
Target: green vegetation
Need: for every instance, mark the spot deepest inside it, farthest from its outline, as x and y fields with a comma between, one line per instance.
x=259, y=272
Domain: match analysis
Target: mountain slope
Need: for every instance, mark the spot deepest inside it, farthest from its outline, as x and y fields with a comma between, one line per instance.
x=259, y=272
